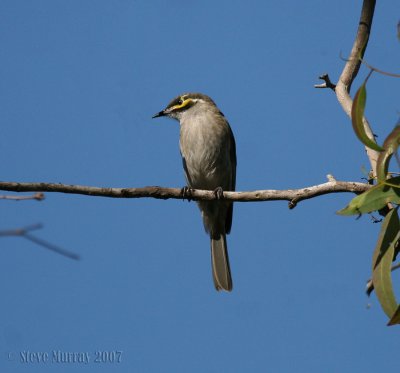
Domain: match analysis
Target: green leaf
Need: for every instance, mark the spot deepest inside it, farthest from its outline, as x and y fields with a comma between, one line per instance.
x=395, y=318
x=357, y=115
x=390, y=145
x=382, y=262
x=374, y=199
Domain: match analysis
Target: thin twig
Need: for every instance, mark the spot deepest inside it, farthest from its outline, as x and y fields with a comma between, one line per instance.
x=21, y=231
x=25, y=233
x=50, y=246
x=36, y=196
x=372, y=68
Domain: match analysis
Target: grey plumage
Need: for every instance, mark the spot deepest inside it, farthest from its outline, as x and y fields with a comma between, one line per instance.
x=209, y=159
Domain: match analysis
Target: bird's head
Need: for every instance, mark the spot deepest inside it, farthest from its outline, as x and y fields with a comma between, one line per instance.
x=185, y=103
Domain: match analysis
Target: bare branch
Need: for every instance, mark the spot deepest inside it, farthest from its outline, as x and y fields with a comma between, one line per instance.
x=25, y=233
x=292, y=195
x=352, y=66
x=351, y=69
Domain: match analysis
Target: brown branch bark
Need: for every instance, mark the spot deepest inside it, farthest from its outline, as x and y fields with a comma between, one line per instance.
x=292, y=195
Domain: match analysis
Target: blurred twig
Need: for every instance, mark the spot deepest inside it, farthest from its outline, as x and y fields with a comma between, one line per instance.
x=25, y=233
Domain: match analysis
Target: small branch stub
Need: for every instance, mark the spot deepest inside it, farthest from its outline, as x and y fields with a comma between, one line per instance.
x=327, y=82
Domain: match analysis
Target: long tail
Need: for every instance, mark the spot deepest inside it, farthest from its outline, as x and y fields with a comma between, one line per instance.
x=220, y=263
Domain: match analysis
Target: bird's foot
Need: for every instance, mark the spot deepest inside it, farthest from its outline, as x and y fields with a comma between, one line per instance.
x=219, y=193
x=186, y=193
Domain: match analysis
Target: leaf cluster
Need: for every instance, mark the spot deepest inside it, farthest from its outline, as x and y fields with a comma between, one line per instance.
x=383, y=197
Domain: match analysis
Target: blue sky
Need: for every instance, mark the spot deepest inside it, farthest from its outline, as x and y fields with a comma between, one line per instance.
x=80, y=81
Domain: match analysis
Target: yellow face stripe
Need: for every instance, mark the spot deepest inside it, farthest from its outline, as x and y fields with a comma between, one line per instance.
x=185, y=102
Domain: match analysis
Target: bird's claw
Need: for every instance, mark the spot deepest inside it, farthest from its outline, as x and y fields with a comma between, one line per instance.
x=186, y=193
x=219, y=193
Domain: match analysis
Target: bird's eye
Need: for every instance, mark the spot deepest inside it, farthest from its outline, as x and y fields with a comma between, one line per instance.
x=180, y=102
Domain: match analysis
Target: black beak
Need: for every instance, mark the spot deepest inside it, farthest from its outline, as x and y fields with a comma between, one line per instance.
x=160, y=114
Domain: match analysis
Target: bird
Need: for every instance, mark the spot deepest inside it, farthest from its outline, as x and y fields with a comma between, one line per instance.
x=208, y=150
